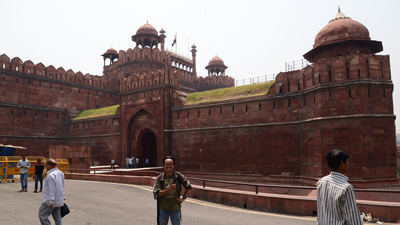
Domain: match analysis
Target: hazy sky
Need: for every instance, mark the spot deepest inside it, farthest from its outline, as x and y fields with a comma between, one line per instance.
x=254, y=38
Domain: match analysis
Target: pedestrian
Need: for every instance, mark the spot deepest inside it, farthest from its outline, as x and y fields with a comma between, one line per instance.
x=133, y=162
x=53, y=193
x=23, y=166
x=137, y=162
x=167, y=191
x=112, y=164
x=127, y=162
x=147, y=162
x=39, y=175
x=335, y=195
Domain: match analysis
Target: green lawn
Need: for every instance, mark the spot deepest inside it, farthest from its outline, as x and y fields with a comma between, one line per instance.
x=106, y=111
x=228, y=93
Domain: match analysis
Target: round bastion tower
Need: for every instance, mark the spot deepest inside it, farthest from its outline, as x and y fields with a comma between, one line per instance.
x=342, y=36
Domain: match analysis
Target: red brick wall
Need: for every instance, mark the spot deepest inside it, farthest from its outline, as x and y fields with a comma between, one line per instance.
x=46, y=93
x=100, y=137
x=290, y=130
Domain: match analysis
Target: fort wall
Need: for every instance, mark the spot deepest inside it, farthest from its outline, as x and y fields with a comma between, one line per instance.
x=344, y=103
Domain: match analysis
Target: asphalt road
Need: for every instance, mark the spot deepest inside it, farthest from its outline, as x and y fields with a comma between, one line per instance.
x=93, y=203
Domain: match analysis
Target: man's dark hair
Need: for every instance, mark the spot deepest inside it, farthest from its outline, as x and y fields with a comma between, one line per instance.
x=168, y=157
x=334, y=157
x=39, y=160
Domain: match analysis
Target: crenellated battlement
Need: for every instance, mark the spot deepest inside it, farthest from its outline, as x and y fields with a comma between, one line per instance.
x=40, y=70
x=336, y=70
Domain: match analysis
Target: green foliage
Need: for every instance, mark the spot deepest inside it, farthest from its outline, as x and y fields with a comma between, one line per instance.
x=90, y=113
x=228, y=93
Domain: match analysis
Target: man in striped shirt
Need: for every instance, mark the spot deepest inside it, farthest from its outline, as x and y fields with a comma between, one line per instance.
x=335, y=196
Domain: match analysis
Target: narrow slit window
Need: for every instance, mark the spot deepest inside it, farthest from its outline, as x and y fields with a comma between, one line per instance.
x=313, y=83
x=330, y=75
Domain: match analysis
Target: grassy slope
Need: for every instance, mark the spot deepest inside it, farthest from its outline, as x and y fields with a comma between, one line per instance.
x=106, y=111
x=228, y=93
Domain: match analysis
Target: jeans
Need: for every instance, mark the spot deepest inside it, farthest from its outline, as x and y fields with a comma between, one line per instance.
x=45, y=211
x=38, y=178
x=24, y=180
x=174, y=215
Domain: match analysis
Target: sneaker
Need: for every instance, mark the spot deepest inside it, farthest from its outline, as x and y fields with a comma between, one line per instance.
x=22, y=190
x=40, y=190
x=35, y=191
x=26, y=190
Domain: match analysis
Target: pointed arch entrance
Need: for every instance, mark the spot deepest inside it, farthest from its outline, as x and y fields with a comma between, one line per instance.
x=142, y=138
x=147, y=148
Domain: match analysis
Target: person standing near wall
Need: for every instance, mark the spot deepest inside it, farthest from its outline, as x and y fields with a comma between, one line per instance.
x=23, y=166
x=167, y=191
x=133, y=162
x=335, y=195
x=137, y=162
x=112, y=164
x=53, y=193
x=39, y=175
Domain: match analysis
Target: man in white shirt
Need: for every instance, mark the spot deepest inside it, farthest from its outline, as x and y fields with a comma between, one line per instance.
x=335, y=196
x=23, y=166
x=53, y=192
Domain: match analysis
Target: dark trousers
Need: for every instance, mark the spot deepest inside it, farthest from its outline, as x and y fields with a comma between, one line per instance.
x=38, y=178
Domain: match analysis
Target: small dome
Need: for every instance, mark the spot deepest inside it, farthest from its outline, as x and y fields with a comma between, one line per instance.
x=112, y=50
x=341, y=28
x=146, y=29
x=216, y=61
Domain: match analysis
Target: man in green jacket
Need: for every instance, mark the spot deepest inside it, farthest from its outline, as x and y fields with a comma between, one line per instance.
x=167, y=190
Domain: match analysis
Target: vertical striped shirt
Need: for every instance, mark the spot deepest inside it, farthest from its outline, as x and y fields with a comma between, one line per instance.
x=336, y=201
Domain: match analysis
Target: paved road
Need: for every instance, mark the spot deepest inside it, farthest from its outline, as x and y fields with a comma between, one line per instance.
x=93, y=203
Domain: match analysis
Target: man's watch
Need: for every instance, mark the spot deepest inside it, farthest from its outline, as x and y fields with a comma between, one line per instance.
x=184, y=197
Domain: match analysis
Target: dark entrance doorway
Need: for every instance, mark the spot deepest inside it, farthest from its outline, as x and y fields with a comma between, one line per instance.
x=148, y=147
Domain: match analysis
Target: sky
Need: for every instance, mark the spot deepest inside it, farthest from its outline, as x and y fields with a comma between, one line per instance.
x=254, y=38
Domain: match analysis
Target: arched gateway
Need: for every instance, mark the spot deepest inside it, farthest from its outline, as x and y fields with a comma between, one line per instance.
x=147, y=148
x=142, y=138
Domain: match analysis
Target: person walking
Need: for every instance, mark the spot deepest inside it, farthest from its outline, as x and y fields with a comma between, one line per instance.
x=39, y=168
x=335, y=195
x=112, y=164
x=23, y=166
x=53, y=193
x=167, y=191
x=137, y=162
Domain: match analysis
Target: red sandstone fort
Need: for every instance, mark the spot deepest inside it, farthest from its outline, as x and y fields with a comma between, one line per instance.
x=343, y=99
